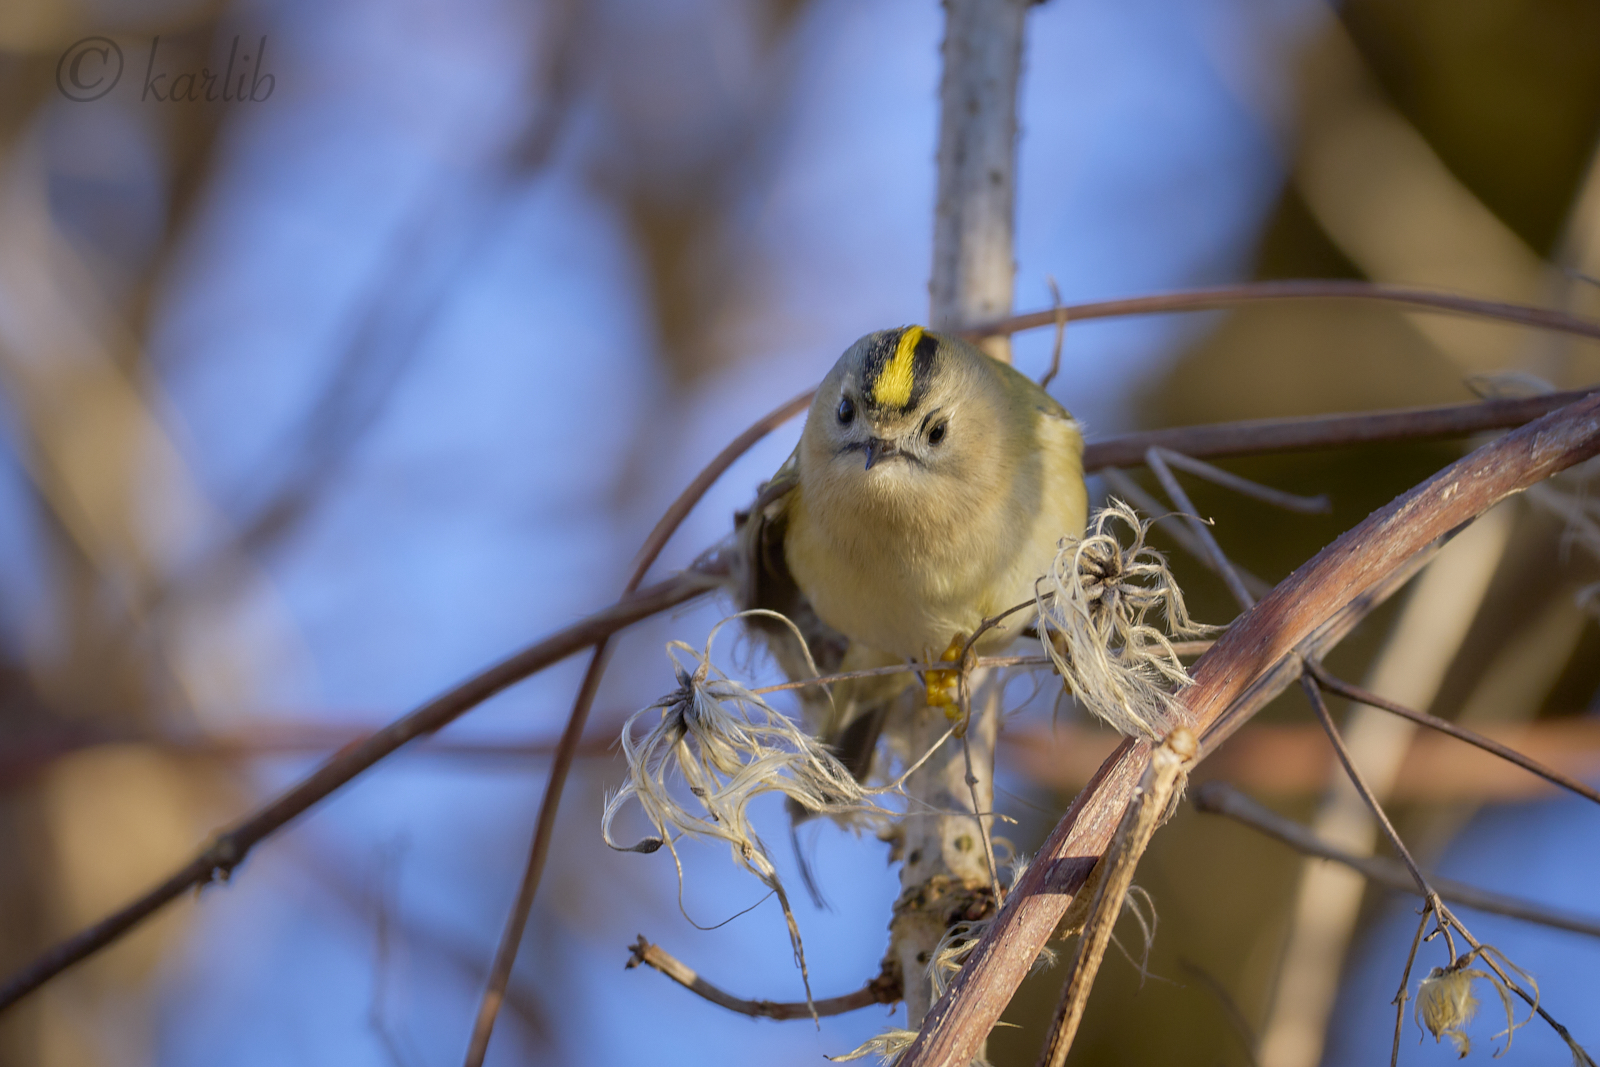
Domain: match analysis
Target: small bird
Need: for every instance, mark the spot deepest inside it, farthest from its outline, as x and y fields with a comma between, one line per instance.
x=929, y=491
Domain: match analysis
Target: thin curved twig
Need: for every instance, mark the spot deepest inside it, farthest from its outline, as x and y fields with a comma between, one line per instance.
x=1123, y=487
x=1445, y=726
x=1259, y=436
x=1237, y=1021
x=228, y=850
x=1531, y=1001
x=1155, y=458
x=505, y=956
x=881, y=990
x=1181, y=648
x=1220, y=297
x=218, y=859
x=1220, y=798
x=1404, y=994
x=1060, y=315
x=1308, y=682
x=1303, y=505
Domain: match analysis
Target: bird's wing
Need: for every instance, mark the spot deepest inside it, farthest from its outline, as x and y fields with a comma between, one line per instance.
x=850, y=720
x=764, y=582
x=1020, y=384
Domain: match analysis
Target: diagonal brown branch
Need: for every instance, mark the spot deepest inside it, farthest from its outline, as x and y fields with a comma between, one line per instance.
x=1237, y=670
x=1163, y=781
x=1309, y=683
x=230, y=849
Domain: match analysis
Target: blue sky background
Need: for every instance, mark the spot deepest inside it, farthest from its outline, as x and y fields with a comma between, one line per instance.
x=535, y=432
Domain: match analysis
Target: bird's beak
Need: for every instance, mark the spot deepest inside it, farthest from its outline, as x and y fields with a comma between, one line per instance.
x=878, y=448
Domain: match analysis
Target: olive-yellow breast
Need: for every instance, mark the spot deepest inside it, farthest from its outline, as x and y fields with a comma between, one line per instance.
x=934, y=483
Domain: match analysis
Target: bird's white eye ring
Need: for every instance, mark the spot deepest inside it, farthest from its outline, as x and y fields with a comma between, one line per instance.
x=847, y=411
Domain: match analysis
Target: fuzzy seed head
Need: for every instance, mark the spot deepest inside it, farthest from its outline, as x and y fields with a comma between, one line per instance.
x=713, y=749
x=1445, y=1005
x=1446, y=1002
x=889, y=1046
x=1094, y=608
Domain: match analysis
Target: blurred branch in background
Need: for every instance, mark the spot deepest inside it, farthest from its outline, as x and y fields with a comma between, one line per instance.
x=1222, y=799
x=1381, y=192
x=1411, y=666
x=112, y=507
x=144, y=645
x=230, y=848
x=691, y=137
x=450, y=227
x=1263, y=758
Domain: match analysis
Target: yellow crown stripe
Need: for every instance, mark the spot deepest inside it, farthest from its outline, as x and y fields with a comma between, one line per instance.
x=893, y=387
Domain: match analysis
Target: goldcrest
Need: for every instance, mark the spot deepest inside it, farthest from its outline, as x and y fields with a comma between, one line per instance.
x=929, y=491
x=934, y=484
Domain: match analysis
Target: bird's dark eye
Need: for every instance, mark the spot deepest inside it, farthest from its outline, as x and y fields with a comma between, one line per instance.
x=936, y=434
x=847, y=411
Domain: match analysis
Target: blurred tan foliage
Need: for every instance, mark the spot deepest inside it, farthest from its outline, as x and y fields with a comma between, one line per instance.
x=1431, y=142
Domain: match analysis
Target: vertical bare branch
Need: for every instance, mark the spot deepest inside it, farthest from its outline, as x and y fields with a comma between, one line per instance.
x=946, y=877
x=975, y=216
x=1404, y=992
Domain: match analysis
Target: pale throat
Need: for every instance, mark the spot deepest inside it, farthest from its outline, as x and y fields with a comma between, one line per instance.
x=896, y=523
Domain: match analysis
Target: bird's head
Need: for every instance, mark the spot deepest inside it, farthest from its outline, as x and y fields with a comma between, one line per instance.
x=901, y=409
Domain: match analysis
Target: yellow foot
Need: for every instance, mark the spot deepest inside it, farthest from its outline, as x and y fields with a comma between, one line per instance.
x=943, y=686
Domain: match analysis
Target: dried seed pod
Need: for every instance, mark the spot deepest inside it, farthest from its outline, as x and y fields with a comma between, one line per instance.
x=1445, y=1005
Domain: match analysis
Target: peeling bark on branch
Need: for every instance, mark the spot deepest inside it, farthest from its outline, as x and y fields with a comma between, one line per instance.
x=1251, y=662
